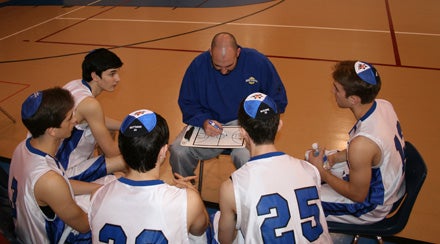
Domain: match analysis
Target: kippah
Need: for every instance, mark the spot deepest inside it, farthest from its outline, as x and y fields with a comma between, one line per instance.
x=259, y=106
x=366, y=72
x=138, y=123
x=31, y=105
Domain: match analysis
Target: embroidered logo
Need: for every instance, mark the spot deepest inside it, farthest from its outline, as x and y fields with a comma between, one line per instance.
x=251, y=80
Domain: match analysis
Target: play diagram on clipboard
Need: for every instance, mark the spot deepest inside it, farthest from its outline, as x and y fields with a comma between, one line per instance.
x=196, y=137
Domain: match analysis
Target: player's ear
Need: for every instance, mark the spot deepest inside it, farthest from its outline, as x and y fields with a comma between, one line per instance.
x=280, y=125
x=247, y=139
x=51, y=131
x=243, y=133
x=354, y=99
x=162, y=154
x=95, y=76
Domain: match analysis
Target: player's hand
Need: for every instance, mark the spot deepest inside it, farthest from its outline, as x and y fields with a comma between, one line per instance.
x=316, y=161
x=184, y=182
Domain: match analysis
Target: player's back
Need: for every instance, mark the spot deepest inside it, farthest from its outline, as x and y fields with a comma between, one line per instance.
x=277, y=198
x=139, y=212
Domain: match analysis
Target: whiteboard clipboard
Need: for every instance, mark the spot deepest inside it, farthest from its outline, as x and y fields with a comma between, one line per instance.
x=196, y=137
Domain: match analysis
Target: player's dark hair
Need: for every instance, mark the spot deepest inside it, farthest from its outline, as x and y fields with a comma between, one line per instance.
x=98, y=61
x=55, y=104
x=345, y=74
x=141, y=152
x=261, y=131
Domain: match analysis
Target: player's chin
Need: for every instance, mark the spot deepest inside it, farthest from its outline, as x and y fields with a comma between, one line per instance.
x=112, y=88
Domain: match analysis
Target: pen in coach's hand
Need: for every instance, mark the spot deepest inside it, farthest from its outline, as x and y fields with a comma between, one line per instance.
x=213, y=124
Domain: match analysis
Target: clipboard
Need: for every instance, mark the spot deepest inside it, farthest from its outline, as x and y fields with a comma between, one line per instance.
x=196, y=137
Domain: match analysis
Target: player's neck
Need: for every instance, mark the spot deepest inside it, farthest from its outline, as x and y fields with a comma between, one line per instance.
x=256, y=150
x=46, y=144
x=138, y=176
x=96, y=90
x=361, y=109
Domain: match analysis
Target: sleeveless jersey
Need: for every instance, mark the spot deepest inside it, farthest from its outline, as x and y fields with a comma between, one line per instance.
x=76, y=151
x=28, y=164
x=277, y=200
x=139, y=212
x=381, y=125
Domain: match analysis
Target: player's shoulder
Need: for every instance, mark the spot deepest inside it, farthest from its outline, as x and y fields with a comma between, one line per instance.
x=49, y=179
x=89, y=105
x=360, y=141
x=384, y=103
x=190, y=192
x=365, y=145
x=71, y=83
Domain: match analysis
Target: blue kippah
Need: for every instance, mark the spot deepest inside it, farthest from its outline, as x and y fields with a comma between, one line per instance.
x=138, y=123
x=259, y=106
x=366, y=72
x=31, y=105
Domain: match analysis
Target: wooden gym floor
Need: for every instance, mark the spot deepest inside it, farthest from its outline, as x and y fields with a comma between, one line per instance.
x=43, y=46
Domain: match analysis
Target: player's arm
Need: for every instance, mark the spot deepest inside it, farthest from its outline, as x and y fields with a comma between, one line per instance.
x=81, y=187
x=92, y=112
x=338, y=157
x=116, y=164
x=228, y=215
x=52, y=189
x=197, y=217
x=362, y=154
x=112, y=124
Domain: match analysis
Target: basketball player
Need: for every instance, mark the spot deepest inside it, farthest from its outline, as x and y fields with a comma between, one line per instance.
x=140, y=208
x=367, y=177
x=41, y=196
x=100, y=72
x=273, y=198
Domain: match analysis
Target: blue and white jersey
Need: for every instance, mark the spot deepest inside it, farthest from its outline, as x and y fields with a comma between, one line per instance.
x=277, y=201
x=381, y=125
x=128, y=211
x=75, y=153
x=28, y=164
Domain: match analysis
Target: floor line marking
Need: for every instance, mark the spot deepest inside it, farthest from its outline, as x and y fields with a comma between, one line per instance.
x=25, y=86
x=393, y=34
x=47, y=21
x=262, y=25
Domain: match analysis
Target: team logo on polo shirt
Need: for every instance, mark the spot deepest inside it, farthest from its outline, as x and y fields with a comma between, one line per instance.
x=251, y=80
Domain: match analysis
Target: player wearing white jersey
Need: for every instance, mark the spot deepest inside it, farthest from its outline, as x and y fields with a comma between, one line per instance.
x=75, y=152
x=100, y=73
x=140, y=208
x=40, y=194
x=295, y=200
x=133, y=211
x=368, y=176
x=274, y=198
